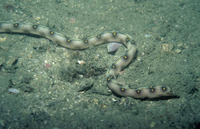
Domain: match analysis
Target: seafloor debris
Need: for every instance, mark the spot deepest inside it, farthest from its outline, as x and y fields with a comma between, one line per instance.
x=167, y=47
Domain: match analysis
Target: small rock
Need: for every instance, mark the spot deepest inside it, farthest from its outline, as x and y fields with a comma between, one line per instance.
x=13, y=90
x=167, y=47
x=178, y=51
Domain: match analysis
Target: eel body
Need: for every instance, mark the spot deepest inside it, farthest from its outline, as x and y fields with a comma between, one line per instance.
x=77, y=44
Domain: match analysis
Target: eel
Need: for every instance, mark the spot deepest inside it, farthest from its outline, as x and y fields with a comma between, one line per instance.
x=78, y=44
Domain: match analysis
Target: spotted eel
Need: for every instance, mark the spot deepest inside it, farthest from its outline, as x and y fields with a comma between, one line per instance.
x=108, y=37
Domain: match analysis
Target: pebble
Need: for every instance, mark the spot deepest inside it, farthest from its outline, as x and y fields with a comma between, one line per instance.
x=13, y=90
x=178, y=51
x=167, y=47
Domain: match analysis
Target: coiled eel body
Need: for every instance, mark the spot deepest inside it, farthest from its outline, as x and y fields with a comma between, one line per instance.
x=113, y=70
